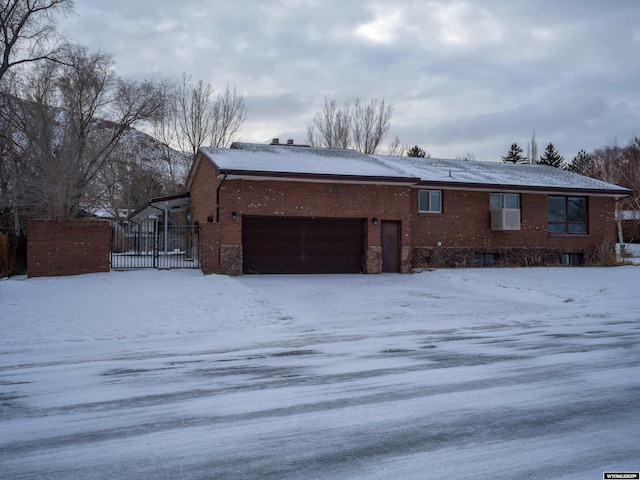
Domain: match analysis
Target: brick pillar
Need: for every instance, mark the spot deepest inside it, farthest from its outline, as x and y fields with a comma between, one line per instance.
x=210, y=248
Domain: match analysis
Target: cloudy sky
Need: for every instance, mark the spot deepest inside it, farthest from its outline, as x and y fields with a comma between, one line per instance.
x=464, y=77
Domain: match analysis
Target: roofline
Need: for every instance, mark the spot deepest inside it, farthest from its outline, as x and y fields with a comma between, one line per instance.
x=319, y=176
x=525, y=188
x=411, y=181
x=174, y=196
x=195, y=163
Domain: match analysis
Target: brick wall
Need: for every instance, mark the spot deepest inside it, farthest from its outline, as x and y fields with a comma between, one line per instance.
x=466, y=222
x=464, y=227
x=320, y=200
x=67, y=247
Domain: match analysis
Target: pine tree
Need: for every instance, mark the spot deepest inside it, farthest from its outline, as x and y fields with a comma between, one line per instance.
x=416, y=151
x=582, y=163
x=514, y=155
x=551, y=157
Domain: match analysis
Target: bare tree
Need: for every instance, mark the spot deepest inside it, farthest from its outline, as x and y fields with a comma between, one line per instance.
x=163, y=128
x=200, y=117
x=132, y=177
x=11, y=161
x=617, y=165
x=532, y=149
x=395, y=148
x=28, y=31
x=194, y=110
x=363, y=126
x=229, y=113
x=371, y=123
x=467, y=157
x=65, y=131
x=331, y=127
x=631, y=171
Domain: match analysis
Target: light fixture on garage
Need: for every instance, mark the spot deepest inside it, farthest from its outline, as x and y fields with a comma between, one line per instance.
x=375, y=221
x=234, y=216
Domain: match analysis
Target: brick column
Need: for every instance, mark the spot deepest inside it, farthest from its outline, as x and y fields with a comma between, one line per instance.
x=210, y=248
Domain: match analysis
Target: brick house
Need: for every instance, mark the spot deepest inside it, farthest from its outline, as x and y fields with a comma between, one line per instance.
x=294, y=209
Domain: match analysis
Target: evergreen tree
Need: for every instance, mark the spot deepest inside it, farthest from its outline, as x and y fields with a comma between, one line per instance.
x=514, y=155
x=416, y=151
x=551, y=157
x=582, y=163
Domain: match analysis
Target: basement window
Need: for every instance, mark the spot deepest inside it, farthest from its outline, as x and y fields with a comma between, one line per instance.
x=430, y=201
x=486, y=259
x=572, y=259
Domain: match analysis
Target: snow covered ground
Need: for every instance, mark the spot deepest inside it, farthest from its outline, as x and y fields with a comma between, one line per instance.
x=470, y=373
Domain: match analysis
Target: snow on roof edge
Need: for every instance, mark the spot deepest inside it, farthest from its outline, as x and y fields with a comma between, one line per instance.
x=291, y=160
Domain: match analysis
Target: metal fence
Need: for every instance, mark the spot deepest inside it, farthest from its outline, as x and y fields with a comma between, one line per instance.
x=150, y=245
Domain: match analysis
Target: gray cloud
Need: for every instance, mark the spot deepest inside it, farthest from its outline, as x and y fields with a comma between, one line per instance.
x=464, y=76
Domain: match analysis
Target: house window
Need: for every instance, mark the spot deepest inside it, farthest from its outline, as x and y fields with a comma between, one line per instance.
x=504, y=200
x=430, y=201
x=567, y=214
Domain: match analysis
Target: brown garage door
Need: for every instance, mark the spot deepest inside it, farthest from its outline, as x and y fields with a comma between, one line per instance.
x=302, y=245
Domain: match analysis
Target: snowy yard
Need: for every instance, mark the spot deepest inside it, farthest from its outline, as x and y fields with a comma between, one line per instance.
x=471, y=373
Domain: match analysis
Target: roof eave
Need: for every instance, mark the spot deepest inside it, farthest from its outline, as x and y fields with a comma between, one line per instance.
x=526, y=188
x=316, y=177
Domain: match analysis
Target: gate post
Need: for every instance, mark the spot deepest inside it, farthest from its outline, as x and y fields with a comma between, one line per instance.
x=156, y=243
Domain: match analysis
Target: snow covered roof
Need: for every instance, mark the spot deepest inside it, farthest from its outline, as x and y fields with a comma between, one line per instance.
x=286, y=161
x=514, y=176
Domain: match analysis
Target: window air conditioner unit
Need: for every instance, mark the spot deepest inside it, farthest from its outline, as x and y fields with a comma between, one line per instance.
x=505, y=219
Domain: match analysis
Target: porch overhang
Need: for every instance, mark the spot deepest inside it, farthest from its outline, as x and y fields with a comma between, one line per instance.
x=155, y=206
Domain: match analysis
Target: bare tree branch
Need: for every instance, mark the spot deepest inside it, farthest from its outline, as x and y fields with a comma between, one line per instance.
x=27, y=31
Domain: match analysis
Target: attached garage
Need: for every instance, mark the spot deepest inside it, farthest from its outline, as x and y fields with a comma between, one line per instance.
x=302, y=245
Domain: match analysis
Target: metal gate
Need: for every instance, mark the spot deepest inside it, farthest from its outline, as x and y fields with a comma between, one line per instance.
x=150, y=245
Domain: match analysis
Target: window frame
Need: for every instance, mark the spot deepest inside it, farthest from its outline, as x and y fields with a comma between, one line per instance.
x=429, y=197
x=501, y=200
x=568, y=226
